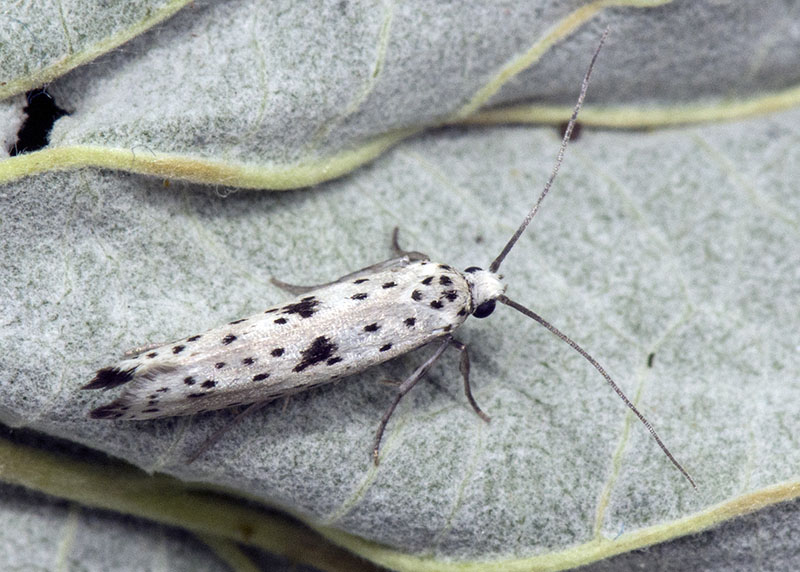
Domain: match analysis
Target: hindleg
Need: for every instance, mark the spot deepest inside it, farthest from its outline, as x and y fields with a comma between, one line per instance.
x=401, y=258
x=211, y=441
x=399, y=252
x=405, y=387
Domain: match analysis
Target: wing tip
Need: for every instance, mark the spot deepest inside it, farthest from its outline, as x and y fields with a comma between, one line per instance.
x=109, y=377
x=112, y=410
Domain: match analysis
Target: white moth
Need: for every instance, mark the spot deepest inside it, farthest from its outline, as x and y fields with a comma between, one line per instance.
x=326, y=333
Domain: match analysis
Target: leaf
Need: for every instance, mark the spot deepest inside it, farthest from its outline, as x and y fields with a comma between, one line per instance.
x=272, y=96
x=40, y=41
x=678, y=244
x=669, y=243
x=62, y=533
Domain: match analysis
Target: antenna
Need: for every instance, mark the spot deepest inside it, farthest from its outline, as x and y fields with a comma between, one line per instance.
x=566, y=339
x=495, y=265
x=533, y=315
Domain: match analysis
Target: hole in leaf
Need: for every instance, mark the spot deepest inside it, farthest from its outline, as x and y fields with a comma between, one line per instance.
x=42, y=112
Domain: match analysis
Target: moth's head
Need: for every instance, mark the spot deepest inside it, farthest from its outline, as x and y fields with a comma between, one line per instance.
x=485, y=287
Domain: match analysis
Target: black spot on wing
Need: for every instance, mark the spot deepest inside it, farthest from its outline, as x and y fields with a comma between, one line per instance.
x=360, y=280
x=208, y=384
x=416, y=295
x=277, y=352
x=151, y=355
x=427, y=280
x=260, y=377
x=387, y=285
x=109, y=377
x=385, y=348
x=450, y=294
x=437, y=305
x=409, y=322
x=360, y=296
x=372, y=327
x=178, y=349
x=228, y=339
x=194, y=338
x=306, y=307
x=237, y=322
x=334, y=360
x=189, y=380
x=219, y=364
x=280, y=321
x=199, y=394
x=320, y=350
x=445, y=280
x=248, y=361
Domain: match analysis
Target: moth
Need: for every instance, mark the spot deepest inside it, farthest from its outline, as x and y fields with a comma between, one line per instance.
x=329, y=332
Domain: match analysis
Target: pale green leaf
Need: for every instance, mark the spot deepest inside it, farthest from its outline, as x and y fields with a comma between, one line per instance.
x=42, y=40
x=679, y=244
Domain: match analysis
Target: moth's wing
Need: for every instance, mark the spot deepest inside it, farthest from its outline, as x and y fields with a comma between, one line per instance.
x=339, y=330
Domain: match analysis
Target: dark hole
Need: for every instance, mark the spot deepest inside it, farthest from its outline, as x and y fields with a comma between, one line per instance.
x=35, y=131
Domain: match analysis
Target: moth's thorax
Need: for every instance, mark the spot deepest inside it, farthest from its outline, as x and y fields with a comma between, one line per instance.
x=483, y=285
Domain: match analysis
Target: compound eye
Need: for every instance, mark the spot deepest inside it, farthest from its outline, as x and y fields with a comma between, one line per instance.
x=484, y=309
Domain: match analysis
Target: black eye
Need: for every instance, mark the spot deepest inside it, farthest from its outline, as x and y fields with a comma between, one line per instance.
x=484, y=309
x=472, y=269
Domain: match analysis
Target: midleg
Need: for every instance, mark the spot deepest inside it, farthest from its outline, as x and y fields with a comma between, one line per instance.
x=464, y=367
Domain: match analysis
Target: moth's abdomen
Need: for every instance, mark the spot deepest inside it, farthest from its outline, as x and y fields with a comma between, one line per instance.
x=328, y=334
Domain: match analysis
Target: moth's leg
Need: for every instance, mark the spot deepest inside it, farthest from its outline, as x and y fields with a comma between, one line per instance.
x=464, y=367
x=211, y=441
x=399, y=252
x=405, y=387
x=298, y=290
x=293, y=288
x=401, y=258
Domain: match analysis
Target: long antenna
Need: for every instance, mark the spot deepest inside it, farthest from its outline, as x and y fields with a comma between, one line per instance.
x=495, y=265
x=566, y=339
